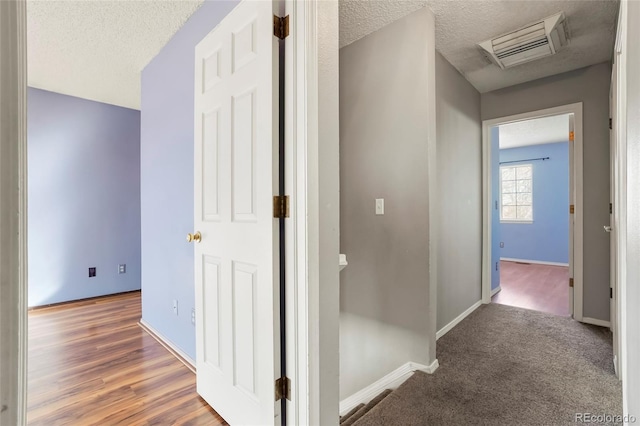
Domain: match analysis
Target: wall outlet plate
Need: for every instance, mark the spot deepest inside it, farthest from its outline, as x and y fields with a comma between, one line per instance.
x=193, y=316
x=122, y=268
x=501, y=244
x=175, y=306
x=92, y=271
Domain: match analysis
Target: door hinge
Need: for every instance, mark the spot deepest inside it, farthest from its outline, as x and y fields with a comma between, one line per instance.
x=570, y=282
x=281, y=27
x=280, y=206
x=610, y=208
x=283, y=388
x=572, y=136
x=572, y=209
x=610, y=124
x=610, y=292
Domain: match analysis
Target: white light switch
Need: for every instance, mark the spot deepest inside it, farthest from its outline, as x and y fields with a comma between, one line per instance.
x=379, y=206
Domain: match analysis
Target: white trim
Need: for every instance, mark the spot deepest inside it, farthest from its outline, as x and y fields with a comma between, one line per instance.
x=13, y=202
x=444, y=330
x=576, y=250
x=496, y=291
x=625, y=130
x=315, y=197
x=23, y=226
x=391, y=381
x=595, y=321
x=536, y=262
x=295, y=141
x=168, y=345
x=620, y=126
x=296, y=290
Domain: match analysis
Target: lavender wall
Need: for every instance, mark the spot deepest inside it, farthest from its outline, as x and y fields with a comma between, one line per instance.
x=547, y=238
x=84, y=197
x=167, y=179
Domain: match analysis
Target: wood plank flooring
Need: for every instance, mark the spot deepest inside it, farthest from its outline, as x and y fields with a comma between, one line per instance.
x=91, y=364
x=542, y=288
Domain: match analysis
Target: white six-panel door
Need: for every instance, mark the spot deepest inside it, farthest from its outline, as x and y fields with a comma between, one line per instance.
x=236, y=274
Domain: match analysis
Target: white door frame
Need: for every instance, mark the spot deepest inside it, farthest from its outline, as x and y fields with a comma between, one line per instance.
x=13, y=205
x=313, y=232
x=576, y=193
x=619, y=123
x=613, y=216
x=313, y=239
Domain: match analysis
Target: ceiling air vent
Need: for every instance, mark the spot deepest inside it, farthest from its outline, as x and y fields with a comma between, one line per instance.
x=533, y=41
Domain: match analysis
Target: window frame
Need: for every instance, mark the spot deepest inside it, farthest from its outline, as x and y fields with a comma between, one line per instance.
x=500, y=205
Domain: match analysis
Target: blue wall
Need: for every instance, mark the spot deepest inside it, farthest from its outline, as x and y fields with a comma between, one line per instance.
x=547, y=238
x=495, y=217
x=84, y=197
x=167, y=179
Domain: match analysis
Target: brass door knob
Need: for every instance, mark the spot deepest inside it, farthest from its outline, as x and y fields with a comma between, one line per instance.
x=197, y=237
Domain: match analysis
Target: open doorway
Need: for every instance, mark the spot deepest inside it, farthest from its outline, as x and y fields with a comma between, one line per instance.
x=530, y=239
x=532, y=229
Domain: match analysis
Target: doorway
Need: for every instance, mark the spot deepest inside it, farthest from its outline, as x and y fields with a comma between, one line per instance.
x=542, y=247
x=531, y=214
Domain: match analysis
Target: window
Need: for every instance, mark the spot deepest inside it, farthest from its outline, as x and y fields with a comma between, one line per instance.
x=516, y=193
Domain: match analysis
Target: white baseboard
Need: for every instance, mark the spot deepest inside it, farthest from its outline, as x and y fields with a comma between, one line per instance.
x=175, y=351
x=537, y=262
x=444, y=330
x=495, y=290
x=390, y=381
x=595, y=321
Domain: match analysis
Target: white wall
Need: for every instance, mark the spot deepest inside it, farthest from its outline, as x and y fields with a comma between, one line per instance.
x=387, y=119
x=459, y=182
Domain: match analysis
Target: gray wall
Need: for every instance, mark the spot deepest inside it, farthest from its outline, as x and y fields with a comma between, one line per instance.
x=590, y=86
x=84, y=197
x=632, y=375
x=384, y=292
x=459, y=153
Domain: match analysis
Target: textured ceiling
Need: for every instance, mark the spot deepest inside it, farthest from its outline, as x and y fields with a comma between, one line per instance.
x=460, y=25
x=95, y=49
x=535, y=132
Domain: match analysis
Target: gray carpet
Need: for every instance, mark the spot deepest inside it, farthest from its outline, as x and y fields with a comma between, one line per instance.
x=509, y=366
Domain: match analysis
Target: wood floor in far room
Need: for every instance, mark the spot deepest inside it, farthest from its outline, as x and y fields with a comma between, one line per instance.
x=91, y=364
x=542, y=288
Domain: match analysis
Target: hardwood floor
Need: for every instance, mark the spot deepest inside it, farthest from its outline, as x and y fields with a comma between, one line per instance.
x=91, y=364
x=539, y=287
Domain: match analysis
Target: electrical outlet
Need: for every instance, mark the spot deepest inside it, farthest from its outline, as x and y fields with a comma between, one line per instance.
x=501, y=244
x=379, y=206
x=92, y=272
x=175, y=306
x=122, y=268
x=193, y=316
